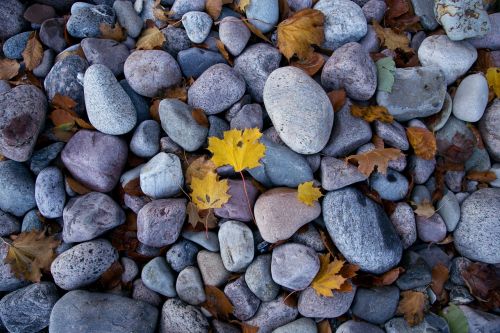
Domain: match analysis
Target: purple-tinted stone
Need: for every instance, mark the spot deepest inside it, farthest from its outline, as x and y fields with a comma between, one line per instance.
x=431, y=229
x=237, y=206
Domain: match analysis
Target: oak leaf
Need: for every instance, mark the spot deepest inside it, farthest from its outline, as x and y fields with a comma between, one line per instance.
x=372, y=113
x=378, y=157
x=9, y=68
x=493, y=78
x=33, y=52
x=115, y=32
x=391, y=39
x=199, y=168
x=411, y=306
x=205, y=217
x=333, y=276
x=423, y=142
x=311, y=65
x=209, y=192
x=424, y=209
x=31, y=253
x=297, y=33
x=150, y=38
x=213, y=8
x=217, y=303
x=308, y=194
x=240, y=149
x=440, y=274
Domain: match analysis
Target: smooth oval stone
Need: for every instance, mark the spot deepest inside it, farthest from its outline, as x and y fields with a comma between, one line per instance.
x=350, y=67
x=311, y=304
x=149, y=72
x=195, y=61
x=212, y=268
x=17, y=193
x=157, y=276
x=146, y=139
x=177, y=316
x=197, y=25
x=361, y=230
x=344, y=22
x=177, y=120
x=299, y=109
x=462, y=19
x=449, y=209
x=177, y=40
x=89, y=216
x=234, y=34
x=376, y=305
x=28, y=309
x=273, y=314
x=352, y=326
x=453, y=57
x=244, y=301
x=455, y=141
x=109, y=108
x=294, y=265
x=162, y=176
x=83, y=311
x=189, y=286
x=471, y=98
x=159, y=222
x=181, y=255
x=86, y=22
x=15, y=45
x=95, y=159
x=181, y=7
x=263, y=14
x=259, y=280
x=490, y=127
x=21, y=120
x=11, y=17
x=52, y=34
x=391, y=186
x=403, y=220
x=107, y=52
x=128, y=17
x=216, y=89
x=476, y=236
x=83, y=264
x=279, y=214
x=50, y=194
x=236, y=245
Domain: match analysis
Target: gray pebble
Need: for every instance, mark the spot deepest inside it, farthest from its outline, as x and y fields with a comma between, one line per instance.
x=491, y=40
x=146, y=139
x=393, y=134
x=130, y=269
x=177, y=40
x=181, y=255
x=15, y=45
x=32, y=221
x=181, y=7
x=197, y=25
x=309, y=235
x=374, y=10
x=128, y=17
x=44, y=67
x=86, y=21
x=189, y=286
x=272, y=315
x=17, y=193
x=376, y=305
x=391, y=186
x=313, y=305
x=431, y=229
x=370, y=42
x=468, y=19
x=403, y=220
x=11, y=17
x=263, y=14
x=141, y=103
x=234, y=34
x=302, y=325
x=179, y=317
x=212, y=268
x=471, y=98
x=52, y=34
x=157, y=276
x=107, y=52
x=236, y=245
x=50, y=195
x=237, y=206
x=8, y=224
x=250, y=116
x=336, y=174
x=244, y=301
x=142, y=293
x=207, y=240
x=259, y=280
x=195, y=61
x=162, y=176
x=449, y=209
x=424, y=9
x=421, y=169
x=294, y=265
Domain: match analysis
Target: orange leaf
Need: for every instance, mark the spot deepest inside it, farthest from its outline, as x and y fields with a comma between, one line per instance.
x=324, y=327
x=423, y=142
x=372, y=113
x=115, y=32
x=179, y=92
x=76, y=186
x=154, y=110
x=481, y=176
x=62, y=102
x=83, y=124
x=311, y=65
x=390, y=39
x=337, y=98
x=375, y=158
x=223, y=51
x=33, y=52
x=9, y=68
x=60, y=117
x=411, y=306
x=213, y=8
x=200, y=117
x=217, y=303
x=440, y=274
x=133, y=187
x=369, y=280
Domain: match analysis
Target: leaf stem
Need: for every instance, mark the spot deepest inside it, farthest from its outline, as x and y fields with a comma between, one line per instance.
x=246, y=195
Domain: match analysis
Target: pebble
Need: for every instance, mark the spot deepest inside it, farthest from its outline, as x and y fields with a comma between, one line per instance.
x=480, y=321
x=128, y=17
x=144, y=294
x=159, y=222
x=370, y=42
x=107, y=52
x=234, y=34
x=84, y=311
x=89, y=216
x=177, y=317
x=244, y=301
x=83, y=264
x=197, y=25
x=479, y=228
x=146, y=139
x=434, y=255
x=28, y=309
x=376, y=305
x=219, y=87
x=263, y=14
x=393, y=134
x=294, y=266
x=302, y=325
x=312, y=305
x=489, y=126
x=348, y=133
x=11, y=16
x=471, y=98
x=177, y=40
x=15, y=45
x=453, y=57
x=237, y=206
x=178, y=122
x=157, y=276
x=272, y=315
x=417, y=272
x=259, y=280
x=31, y=221
x=181, y=255
x=181, y=7
x=449, y=209
x=95, y=159
x=432, y=229
x=236, y=245
x=8, y=280
x=130, y=269
x=212, y=268
x=344, y=22
x=250, y=116
x=336, y=174
x=86, y=21
x=455, y=141
x=189, y=286
x=351, y=68
x=374, y=10
x=50, y=195
x=403, y=220
x=309, y=236
x=490, y=40
x=421, y=169
x=22, y=119
x=141, y=103
x=162, y=176
x=398, y=324
x=17, y=193
x=479, y=160
x=207, y=240
x=299, y=109
x=392, y=186
x=4, y=86
x=44, y=67
x=8, y=224
x=255, y=65
x=150, y=72
x=52, y=34
x=195, y=61
x=297, y=5
x=352, y=326
x=361, y=230
x=424, y=9
x=279, y=214
x=462, y=19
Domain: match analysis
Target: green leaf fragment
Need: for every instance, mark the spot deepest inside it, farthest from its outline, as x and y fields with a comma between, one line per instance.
x=456, y=319
x=386, y=68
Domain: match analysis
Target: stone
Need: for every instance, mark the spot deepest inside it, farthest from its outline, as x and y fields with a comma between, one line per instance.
x=178, y=122
x=89, y=216
x=12, y=19
x=212, y=268
x=181, y=255
x=189, y=286
x=336, y=174
x=480, y=321
x=424, y=9
x=162, y=176
x=455, y=141
x=250, y=116
x=374, y=10
x=107, y=52
x=421, y=169
x=208, y=240
x=376, y=305
x=177, y=40
x=403, y=220
x=479, y=227
x=128, y=17
x=299, y=109
x=417, y=272
x=490, y=40
x=434, y=255
x=157, y=276
x=453, y=57
x=236, y=245
x=150, y=72
x=392, y=186
x=141, y=103
x=159, y=222
x=83, y=264
x=352, y=326
x=17, y=193
x=15, y=45
x=259, y=280
x=197, y=25
x=462, y=19
x=8, y=224
x=431, y=229
x=489, y=126
x=312, y=305
x=181, y=7
x=244, y=301
x=179, y=317
x=297, y=5
x=130, y=269
x=309, y=236
x=263, y=14
x=294, y=266
x=448, y=208
x=234, y=34
x=417, y=92
x=86, y=21
x=393, y=134
x=219, y=87
x=95, y=159
x=351, y=68
x=237, y=206
x=195, y=61
x=31, y=221
x=44, y=67
x=50, y=195
x=398, y=324
x=146, y=139
x=279, y=214
x=22, y=117
x=28, y=309
x=471, y=98
x=272, y=315
x=144, y=294
x=52, y=34
x=83, y=311
x=302, y=325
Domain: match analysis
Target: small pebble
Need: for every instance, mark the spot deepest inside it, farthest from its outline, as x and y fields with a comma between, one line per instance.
x=157, y=276
x=146, y=139
x=197, y=25
x=294, y=266
x=162, y=176
x=189, y=286
x=244, y=301
x=50, y=195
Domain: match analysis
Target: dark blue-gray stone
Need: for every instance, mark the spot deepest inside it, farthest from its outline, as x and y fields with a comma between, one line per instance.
x=195, y=61
x=15, y=45
x=182, y=254
x=42, y=158
x=376, y=305
x=140, y=102
x=417, y=272
x=11, y=18
x=86, y=21
x=17, y=193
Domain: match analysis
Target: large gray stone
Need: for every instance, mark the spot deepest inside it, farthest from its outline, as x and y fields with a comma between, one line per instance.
x=179, y=317
x=376, y=305
x=313, y=305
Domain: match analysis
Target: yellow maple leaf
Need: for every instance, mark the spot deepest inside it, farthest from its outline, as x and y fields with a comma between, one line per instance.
x=297, y=33
x=391, y=39
x=209, y=192
x=243, y=4
x=197, y=216
x=328, y=277
x=307, y=194
x=150, y=38
x=378, y=157
x=240, y=149
x=493, y=78
x=199, y=168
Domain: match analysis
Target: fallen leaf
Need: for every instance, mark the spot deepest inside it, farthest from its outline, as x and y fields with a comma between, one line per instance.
x=179, y=92
x=222, y=50
x=372, y=113
x=299, y=32
x=76, y=186
x=61, y=116
x=243, y=4
x=440, y=274
x=112, y=277
x=411, y=306
x=391, y=39
x=62, y=102
x=284, y=9
x=33, y=52
x=150, y=38
x=368, y=280
x=64, y=134
x=154, y=110
x=457, y=322
x=256, y=31
x=115, y=32
x=481, y=176
x=245, y=328
x=209, y=192
x=483, y=281
x=327, y=242
x=311, y=65
x=199, y=168
x=324, y=326
x=205, y=217
x=375, y=158
x=493, y=78
x=401, y=16
x=308, y=194
x=337, y=98
x=200, y=117
x=424, y=209
x=423, y=142
x=386, y=68
x=329, y=277
x=240, y=149
x=9, y=68
x=396, y=8
x=133, y=187
x=217, y=303
x=213, y=8
x=31, y=253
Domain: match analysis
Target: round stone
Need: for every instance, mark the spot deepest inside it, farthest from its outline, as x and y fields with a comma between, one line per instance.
x=189, y=286
x=197, y=25
x=17, y=193
x=50, y=194
x=236, y=245
x=146, y=139
x=234, y=34
x=294, y=266
x=259, y=280
x=162, y=176
x=471, y=98
x=157, y=276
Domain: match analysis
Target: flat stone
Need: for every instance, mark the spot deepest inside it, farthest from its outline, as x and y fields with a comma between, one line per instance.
x=272, y=315
x=302, y=325
x=448, y=208
x=417, y=272
x=250, y=116
x=162, y=176
x=312, y=305
x=393, y=134
x=45, y=65
x=462, y=19
x=480, y=321
x=189, y=286
x=195, y=61
x=455, y=141
x=50, y=195
x=490, y=127
x=17, y=193
x=237, y=207
x=294, y=266
x=177, y=316
x=244, y=301
x=157, y=276
x=259, y=280
x=376, y=305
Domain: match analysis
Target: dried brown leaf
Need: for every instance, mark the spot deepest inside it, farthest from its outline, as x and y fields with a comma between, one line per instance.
x=154, y=110
x=33, y=52
x=386, y=279
x=213, y=8
x=115, y=32
x=62, y=102
x=133, y=187
x=179, y=92
x=77, y=186
x=483, y=281
x=324, y=327
x=256, y=31
x=200, y=117
x=481, y=176
x=337, y=98
x=391, y=39
x=217, y=303
x=204, y=217
x=378, y=158
x=9, y=68
x=112, y=277
x=440, y=274
x=311, y=65
x=423, y=142
x=372, y=113
x=424, y=209
x=411, y=306
x=222, y=50
x=150, y=39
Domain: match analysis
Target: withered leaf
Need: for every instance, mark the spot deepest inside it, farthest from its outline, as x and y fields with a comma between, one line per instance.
x=77, y=186
x=372, y=113
x=424, y=209
x=200, y=117
x=411, y=306
x=256, y=31
x=337, y=98
x=324, y=326
x=386, y=279
x=112, y=276
x=483, y=281
x=222, y=50
x=481, y=176
x=179, y=92
x=423, y=142
x=204, y=217
x=133, y=187
x=391, y=39
x=33, y=52
x=217, y=303
x=150, y=38
x=154, y=110
x=311, y=65
x=62, y=102
x=199, y=168
x=9, y=68
x=375, y=158
x=213, y=8
x=440, y=274
x=115, y=32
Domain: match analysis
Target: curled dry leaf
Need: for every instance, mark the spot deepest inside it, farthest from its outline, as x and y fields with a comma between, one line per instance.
x=33, y=52
x=391, y=39
x=411, y=306
x=423, y=142
x=440, y=274
x=115, y=32
x=308, y=194
x=209, y=192
x=424, y=209
x=337, y=98
x=9, y=68
x=378, y=157
x=481, y=176
x=150, y=38
x=311, y=65
x=213, y=8
x=222, y=50
x=217, y=303
x=372, y=113
x=204, y=217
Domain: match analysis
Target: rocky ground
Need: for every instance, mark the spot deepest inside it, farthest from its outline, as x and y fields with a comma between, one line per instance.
x=109, y=113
